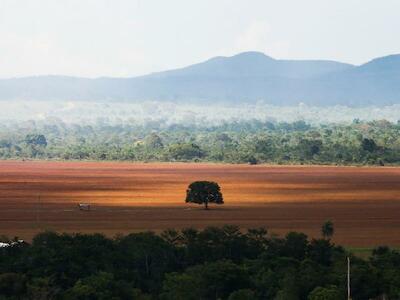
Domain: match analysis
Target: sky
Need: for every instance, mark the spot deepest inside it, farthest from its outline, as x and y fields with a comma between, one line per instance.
x=123, y=38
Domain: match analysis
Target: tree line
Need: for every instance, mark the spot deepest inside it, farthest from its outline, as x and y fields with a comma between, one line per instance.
x=364, y=143
x=213, y=263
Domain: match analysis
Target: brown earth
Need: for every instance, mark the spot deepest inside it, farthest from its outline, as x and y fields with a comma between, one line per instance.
x=363, y=202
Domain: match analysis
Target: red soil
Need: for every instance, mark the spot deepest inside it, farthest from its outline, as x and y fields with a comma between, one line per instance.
x=363, y=203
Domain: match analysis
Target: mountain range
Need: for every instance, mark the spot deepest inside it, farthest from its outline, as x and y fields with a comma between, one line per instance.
x=244, y=78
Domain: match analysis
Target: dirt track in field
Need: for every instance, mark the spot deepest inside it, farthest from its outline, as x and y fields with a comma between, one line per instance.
x=364, y=203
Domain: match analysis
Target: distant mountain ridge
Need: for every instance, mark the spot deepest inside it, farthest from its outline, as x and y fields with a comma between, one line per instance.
x=246, y=77
x=257, y=64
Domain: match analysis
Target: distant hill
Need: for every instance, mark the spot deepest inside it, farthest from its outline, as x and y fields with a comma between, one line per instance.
x=246, y=77
x=255, y=64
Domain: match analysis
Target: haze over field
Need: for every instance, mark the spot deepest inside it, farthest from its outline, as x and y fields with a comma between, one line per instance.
x=167, y=113
x=247, y=86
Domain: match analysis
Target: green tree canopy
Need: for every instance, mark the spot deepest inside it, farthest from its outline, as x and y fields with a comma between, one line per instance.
x=216, y=263
x=185, y=151
x=325, y=293
x=36, y=140
x=216, y=280
x=204, y=192
x=369, y=145
x=243, y=294
x=327, y=229
x=153, y=141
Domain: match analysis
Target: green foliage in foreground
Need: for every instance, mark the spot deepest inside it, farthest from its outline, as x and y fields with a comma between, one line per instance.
x=215, y=263
x=376, y=142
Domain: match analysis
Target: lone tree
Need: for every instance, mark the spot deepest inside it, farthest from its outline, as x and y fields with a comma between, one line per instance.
x=204, y=192
x=327, y=229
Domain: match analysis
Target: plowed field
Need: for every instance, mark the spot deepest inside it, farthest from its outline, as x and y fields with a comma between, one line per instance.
x=363, y=202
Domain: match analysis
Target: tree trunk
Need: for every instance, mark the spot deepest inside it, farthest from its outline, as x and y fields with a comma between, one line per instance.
x=206, y=205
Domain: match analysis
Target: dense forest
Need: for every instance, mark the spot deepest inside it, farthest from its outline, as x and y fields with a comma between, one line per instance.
x=375, y=142
x=214, y=263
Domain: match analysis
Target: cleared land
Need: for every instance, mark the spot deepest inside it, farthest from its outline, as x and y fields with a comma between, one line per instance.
x=364, y=203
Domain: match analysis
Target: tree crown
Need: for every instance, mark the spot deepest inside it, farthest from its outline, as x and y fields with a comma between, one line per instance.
x=204, y=192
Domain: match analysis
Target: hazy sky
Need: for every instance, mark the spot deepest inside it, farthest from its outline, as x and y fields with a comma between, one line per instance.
x=132, y=37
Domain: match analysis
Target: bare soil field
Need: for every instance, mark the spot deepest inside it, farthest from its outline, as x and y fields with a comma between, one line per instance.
x=363, y=202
